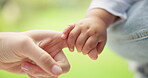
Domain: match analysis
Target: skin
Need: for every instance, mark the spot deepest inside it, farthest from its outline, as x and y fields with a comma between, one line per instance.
x=89, y=34
x=23, y=53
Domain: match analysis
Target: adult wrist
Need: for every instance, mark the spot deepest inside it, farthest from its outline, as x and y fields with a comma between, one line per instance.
x=1, y=38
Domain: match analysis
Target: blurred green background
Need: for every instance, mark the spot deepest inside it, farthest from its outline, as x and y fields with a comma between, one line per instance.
x=23, y=15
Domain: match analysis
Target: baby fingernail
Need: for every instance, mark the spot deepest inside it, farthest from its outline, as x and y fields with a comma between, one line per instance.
x=79, y=50
x=71, y=49
x=56, y=70
x=95, y=57
x=84, y=53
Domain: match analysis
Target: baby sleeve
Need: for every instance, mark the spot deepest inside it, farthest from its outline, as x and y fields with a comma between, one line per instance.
x=115, y=7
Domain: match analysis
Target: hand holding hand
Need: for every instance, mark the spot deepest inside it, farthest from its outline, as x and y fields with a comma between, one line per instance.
x=19, y=47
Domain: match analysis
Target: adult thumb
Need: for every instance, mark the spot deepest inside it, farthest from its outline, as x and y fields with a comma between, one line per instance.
x=42, y=59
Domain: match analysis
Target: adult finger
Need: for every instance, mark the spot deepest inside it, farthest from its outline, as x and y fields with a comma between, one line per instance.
x=62, y=61
x=40, y=76
x=54, y=41
x=12, y=67
x=30, y=76
x=34, y=70
x=54, y=47
x=38, y=35
x=42, y=59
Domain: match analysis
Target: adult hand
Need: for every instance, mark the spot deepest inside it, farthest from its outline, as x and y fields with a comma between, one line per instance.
x=36, y=72
x=19, y=47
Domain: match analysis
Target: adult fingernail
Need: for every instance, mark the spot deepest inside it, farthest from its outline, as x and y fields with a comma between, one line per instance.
x=56, y=70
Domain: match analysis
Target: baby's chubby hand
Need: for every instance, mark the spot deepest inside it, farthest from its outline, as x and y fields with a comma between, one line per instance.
x=87, y=35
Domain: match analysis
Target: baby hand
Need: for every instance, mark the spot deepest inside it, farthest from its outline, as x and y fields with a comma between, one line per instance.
x=87, y=35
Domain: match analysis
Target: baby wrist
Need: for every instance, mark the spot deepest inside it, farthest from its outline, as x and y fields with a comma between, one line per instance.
x=105, y=16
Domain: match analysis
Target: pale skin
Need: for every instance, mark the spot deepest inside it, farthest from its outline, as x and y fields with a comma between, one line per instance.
x=89, y=34
x=23, y=53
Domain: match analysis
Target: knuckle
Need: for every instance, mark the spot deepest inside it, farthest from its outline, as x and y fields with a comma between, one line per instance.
x=21, y=42
x=102, y=40
x=85, y=49
x=72, y=35
x=89, y=46
x=90, y=32
x=95, y=32
x=78, y=44
x=24, y=40
x=45, y=60
x=87, y=27
x=80, y=24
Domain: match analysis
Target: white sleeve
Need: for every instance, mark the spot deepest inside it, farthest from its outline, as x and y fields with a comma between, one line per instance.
x=115, y=7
